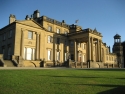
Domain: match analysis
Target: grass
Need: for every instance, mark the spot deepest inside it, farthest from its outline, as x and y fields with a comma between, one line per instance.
x=60, y=81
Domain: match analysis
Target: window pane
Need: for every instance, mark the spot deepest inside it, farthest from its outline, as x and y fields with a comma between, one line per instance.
x=29, y=54
x=58, y=30
x=71, y=43
x=30, y=35
x=49, y=39
x=65, y=56
x=49, y=28
x=58, y=56
x=49, y=55
x=10, y=34
x=4, y=36
x=9, y=49
x=58, y=40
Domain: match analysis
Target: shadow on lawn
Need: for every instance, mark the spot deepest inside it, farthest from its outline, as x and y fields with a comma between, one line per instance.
x=120, y=78
x=102, y=69
x=70, y=76
x=117, y=89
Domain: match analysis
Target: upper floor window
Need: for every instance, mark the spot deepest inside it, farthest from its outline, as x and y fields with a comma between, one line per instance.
x=50, y=28
x=10, y=34
x=79, y=44
x=4, y=36
x=58, y=40
x=107, y=57
x=65, y=43
x=30, y=35
x=66, y=33
x=58, y=30
x=50, y=39
x=107, y=51
x=71, y=43
x=83, y=46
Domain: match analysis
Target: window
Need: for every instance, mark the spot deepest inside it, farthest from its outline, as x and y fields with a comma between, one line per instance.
x=50, y=39
x=30, y=35
x=10, y=34
x=79, y=45
x=58, y=40
x=49, y=55
x=65, y=56
x=83, y=46
x=4, y=36
x=58, y=56
x=71, y=43
x=50, y=28
x=65, y=42
x=107, y=51
x=72, y=56
x=66, y=32
x=9, y=52
x=3, y=50
x=83, y=58
x=29, y=53
x=58, y=30
x=107, y=57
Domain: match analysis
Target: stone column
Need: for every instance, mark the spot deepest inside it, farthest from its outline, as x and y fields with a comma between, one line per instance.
x=75, y=49
x=98, y=50
x=91, y=48
x=89, y=58
x=22, y=44
x=62, y=51
x=37, y=45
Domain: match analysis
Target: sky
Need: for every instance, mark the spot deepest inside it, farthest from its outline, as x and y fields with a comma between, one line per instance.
x=107, y=16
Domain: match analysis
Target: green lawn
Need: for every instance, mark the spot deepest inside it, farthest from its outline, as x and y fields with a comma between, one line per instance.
x=62, y=81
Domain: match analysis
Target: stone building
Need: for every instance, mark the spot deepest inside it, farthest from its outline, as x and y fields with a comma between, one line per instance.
x=39, y=41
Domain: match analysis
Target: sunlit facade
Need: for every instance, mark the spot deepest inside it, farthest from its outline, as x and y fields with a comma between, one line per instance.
x=42, y=41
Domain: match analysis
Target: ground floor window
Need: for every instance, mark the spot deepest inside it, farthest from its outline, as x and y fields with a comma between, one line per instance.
x=29, y=53
x=58, y=56
x=9, y=52
x=49, y=55
x=65, y=56
x=79, y=57
x=72, y=56
x=83, y=58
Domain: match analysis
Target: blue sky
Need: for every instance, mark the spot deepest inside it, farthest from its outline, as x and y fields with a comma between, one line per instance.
x=107, y=16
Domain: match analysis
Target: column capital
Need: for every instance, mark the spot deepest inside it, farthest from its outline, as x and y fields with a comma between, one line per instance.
x=37, y=33
x=75, y=40
x=91, y=37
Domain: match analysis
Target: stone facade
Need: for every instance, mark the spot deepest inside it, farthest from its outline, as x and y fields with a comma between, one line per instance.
x=40, y=41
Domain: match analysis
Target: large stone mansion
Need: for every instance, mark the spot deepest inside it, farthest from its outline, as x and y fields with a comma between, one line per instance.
x=39, y=41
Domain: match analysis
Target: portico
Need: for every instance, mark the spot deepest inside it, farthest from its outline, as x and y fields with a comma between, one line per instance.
x=93, y=50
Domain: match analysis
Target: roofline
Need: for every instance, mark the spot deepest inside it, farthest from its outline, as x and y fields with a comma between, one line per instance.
x=7, y=25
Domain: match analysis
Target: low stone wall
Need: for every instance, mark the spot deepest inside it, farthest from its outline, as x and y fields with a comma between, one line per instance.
x=27, y=63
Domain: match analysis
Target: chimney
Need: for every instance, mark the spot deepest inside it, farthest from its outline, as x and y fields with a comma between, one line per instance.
x=36, y=14
x=12, y=18
x=27, y=17
x=109, y=49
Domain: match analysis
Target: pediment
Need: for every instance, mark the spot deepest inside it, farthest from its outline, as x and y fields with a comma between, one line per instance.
x=30, y=23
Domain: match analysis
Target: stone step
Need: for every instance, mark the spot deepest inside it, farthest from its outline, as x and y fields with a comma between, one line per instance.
x=8, y=63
